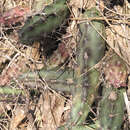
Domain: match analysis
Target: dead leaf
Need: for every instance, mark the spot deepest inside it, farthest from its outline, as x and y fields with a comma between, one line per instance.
x=119, y=41
x=49, y=111
x=19, y=115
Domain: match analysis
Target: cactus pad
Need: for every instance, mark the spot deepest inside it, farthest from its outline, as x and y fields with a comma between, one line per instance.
x=115, y=71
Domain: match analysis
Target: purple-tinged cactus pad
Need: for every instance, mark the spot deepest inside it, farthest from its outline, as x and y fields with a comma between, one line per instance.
x=115, y=71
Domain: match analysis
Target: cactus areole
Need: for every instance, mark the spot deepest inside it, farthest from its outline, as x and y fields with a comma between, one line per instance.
x=115, y=71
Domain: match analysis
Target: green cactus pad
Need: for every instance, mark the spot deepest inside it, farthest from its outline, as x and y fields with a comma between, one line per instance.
x=111, y=109
x=42, y=25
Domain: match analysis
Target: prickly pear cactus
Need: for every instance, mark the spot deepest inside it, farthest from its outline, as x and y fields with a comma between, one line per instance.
x=41, y=25
x=111, y=109
x=115, y=71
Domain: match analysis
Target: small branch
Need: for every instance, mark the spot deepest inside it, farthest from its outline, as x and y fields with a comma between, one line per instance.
x=127, y=103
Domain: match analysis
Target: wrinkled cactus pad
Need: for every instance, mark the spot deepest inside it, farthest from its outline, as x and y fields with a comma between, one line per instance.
x=115, y=71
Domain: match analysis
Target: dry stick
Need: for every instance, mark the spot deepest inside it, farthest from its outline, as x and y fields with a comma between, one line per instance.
x=127, y=103
x=112, y=10
x=103, y=19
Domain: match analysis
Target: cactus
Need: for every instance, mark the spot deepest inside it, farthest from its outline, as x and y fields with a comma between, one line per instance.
x=59, y=80
x=111, y=108
x=90, y=50
x=12, y=91
x=116, y=74
x=115, y=71
x=44, y=24
x=93, y=38
x=82, y=85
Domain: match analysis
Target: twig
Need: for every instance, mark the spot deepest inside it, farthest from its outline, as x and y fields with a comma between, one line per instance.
x=127, y=103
